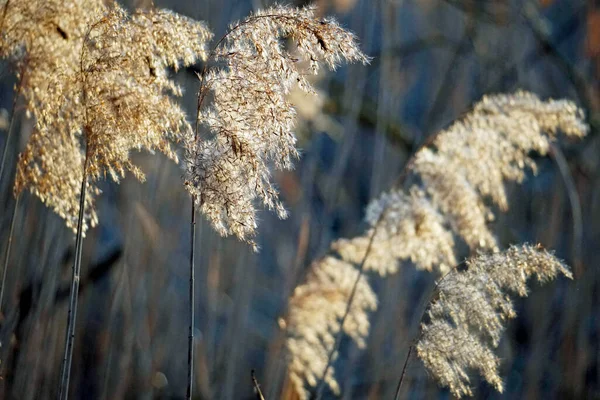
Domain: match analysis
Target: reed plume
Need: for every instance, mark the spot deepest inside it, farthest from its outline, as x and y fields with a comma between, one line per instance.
x=249, y=120
x=315, y=309
x=467, y=319
x=43, y=40
x=110, y=96
x=454, y=182
x=447, y=202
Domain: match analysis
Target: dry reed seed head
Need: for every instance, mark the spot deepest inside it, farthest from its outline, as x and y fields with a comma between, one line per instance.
x=313, y=322
x=410, y=229
x=466, y=165
x=113, y=93
x=245, y=109
x=51, y=167
x=449, y=352
x=446, y=184
x=552, y=115
x=467, y=319
x=44, y=40
x=127, y=89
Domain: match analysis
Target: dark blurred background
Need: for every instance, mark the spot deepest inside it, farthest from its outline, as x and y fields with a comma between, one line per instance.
x=431, y=60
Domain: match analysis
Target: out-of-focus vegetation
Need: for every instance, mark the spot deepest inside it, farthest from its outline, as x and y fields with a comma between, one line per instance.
x=432, y=60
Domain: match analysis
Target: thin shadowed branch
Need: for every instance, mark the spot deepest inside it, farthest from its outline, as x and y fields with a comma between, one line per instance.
x=410, y=349
x=575, y=203
x=255, y=384
x=8, y=248
x=423, y=307
x=338, y=337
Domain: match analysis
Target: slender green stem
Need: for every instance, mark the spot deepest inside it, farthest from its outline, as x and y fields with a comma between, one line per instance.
x=191, y=303
x=8, y=247
x=72, y=315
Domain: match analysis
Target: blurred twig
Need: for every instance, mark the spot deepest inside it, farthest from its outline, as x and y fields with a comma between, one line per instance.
x=368, y=115
x=535, y=22
x=448, y=83
x=8, y=247
x=29, y=293
x=257, y=390
x=576, y=214
x=485, y=10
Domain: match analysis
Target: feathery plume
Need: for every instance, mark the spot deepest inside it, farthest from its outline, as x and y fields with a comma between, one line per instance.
x=468, y=317
x=453, y=185
x=250, y=120
x=44, y=40
x=114, y=95
x=460, y=176
x=316, y=308
x=412, y=229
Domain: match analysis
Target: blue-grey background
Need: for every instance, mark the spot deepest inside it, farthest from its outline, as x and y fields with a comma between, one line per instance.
x=431, y=60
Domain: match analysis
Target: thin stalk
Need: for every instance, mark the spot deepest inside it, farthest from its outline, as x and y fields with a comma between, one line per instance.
x=11, y=123
x=405, y=171
x=339, y=335
x=259, y=395
x=576, y=214
x=410, y=349
x=8, y=247
x=190, y=374
x=71, y=317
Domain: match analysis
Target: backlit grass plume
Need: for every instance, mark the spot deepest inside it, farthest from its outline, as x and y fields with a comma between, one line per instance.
x=456, y=180
x=315, y=310
x=468, y=317
x=249, y=121
x=44, y=41
x=452, y=186
x=112, y=96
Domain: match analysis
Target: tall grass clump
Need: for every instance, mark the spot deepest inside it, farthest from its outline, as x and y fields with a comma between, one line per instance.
x=451, y=190
x=99, y=89
x=97, y=81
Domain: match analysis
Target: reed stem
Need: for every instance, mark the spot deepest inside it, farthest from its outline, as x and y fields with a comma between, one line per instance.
x=8, y=247
x=190, y=375
x=74, y=292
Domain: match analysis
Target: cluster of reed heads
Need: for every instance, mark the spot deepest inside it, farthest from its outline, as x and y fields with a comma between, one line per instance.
x=97, y=80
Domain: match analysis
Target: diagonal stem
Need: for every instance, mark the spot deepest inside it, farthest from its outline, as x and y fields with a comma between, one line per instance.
x=190, y=374
x=12, y=120
x=8, y=247
x=339, y=335
x=71, y=317
x=410, y=349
